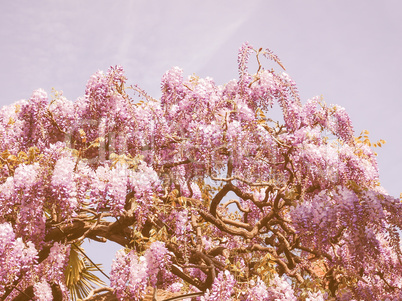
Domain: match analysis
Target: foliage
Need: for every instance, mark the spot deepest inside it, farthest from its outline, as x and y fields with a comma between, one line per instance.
x=203, y=191
x=79, y=274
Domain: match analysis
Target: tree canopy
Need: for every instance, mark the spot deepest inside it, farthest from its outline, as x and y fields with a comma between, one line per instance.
x=205, y=193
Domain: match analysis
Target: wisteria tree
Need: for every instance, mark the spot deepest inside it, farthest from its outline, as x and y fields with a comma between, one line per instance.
x=204, y=192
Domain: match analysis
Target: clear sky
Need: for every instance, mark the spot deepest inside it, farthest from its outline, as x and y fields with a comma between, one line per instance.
x=349, y=51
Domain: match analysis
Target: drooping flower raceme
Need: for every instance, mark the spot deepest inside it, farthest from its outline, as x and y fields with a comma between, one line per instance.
x=110, y=187
x=63, y=186
x=52, y=268
x=43, y=291
x=280, y=290
x=221, y=289
x=258, y=291
x=21, y=198
x=202, y=187
x=16, y=257
x=130, y=274
x=157, y=260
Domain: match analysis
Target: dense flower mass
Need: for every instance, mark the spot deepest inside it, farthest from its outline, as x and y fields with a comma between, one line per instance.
x=207, y=194
x=131, y=274
x=221, y=289
x=16, y=257
x=43, y=291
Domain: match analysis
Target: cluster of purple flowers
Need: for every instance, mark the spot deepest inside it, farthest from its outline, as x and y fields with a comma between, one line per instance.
x=131, y=275
x=169, y=165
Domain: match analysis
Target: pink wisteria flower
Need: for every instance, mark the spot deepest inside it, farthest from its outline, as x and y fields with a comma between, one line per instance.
x=221, y=289
x=43, y=291
x=206, y=189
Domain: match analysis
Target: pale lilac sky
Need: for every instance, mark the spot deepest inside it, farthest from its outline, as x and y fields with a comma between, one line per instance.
x=349, y=51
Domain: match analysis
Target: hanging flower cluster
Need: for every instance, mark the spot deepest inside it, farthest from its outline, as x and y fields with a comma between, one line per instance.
x=206, y=193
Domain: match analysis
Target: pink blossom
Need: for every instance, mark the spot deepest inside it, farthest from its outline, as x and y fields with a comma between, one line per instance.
x=280, y=290
x=43, y=291
x=16, y=257
x=258, y=291
x=64, y=187
x=221, y=289
x=157, y=260
x=155, y=176
x=129, y=270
